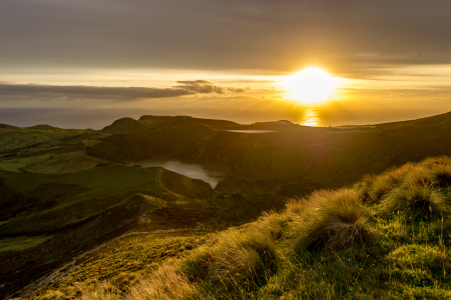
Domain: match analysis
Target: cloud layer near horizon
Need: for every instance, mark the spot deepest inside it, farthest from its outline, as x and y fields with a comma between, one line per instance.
x=35, y=92
x=347, y=36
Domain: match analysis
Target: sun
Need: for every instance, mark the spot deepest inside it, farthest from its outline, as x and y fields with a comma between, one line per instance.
x=311, y=85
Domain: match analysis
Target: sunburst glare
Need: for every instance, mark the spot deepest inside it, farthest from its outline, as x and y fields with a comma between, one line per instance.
x=311, y=85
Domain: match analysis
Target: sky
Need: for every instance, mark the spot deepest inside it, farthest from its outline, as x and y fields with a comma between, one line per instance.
x=85, y=63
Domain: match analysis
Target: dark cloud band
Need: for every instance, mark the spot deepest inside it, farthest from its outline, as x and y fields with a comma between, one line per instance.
x=28, y=92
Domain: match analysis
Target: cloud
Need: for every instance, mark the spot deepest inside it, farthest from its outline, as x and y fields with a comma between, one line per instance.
x=279, y=36
x=239, y=90
x=206, y=87
x=36, y=92
x=200, y=87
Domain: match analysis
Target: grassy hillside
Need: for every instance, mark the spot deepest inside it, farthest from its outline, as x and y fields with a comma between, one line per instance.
x=50, y=218
x=385, y=237
x=64, y=202
x=17, y=138
x=302, y=157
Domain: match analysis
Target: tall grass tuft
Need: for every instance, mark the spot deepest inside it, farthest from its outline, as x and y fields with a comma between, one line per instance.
x=273, y=225
x=431, y=162
x=296, y=206
x=332, y=220
x=164, y=284
x=415, y=200
x=243, y=262
x=419, y=176
x=196, y=266
x=236, y=262
x=100, y=291
x=441, y=175
x=387, y=182
x=364, y=186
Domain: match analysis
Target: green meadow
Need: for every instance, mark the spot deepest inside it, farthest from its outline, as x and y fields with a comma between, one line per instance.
x=20, y=243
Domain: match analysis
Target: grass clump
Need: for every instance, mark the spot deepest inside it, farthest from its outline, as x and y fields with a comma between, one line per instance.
x=332, y=220
x=237, y=263
x=164, y=284
x=441, y=176
x=419, y=202
x=373, y=188
x=246, y=262
x=274, y=225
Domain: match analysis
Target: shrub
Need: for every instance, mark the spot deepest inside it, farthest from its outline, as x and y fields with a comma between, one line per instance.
x=334, y=219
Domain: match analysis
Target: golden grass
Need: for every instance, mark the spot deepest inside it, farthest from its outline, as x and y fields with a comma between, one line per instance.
x=242, y=261
x=100, y=291
x=331, y=220
x=93, y=291
x=164, y=284
x=441, y=175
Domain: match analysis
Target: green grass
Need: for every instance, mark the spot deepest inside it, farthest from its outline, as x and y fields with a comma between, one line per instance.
x=84, y=195
x=110, y=180
x=14, y=165
x=331, y=245
x=21, y=243
x=65, y=163
x=19, y=138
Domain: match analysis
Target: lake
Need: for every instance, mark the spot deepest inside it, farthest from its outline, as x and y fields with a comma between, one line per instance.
x=210, y=173
x=251, y=131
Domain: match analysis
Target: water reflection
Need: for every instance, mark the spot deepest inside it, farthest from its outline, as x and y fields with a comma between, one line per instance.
x=310, y=118
x=211, y=173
